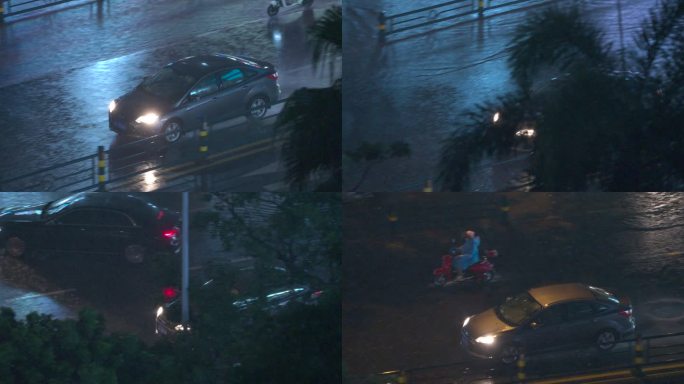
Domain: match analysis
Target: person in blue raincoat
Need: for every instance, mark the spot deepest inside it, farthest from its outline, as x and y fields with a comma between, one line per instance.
x=467, y=254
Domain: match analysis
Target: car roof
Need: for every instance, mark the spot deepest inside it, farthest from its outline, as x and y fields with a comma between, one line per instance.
x=552, y=294
x=130, y=204
x=201, y=65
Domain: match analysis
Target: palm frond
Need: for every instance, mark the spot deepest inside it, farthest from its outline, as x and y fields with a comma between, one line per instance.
x=312, y=119
x=326, y=35
x=558, y=38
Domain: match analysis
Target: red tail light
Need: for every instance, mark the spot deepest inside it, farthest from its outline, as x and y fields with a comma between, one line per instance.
x=273, y=76
x=170, y=234
x=170, y=293
x=626, y=312
x=316, y=294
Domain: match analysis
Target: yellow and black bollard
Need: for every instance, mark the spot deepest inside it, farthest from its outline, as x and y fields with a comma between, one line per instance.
x=101, y=169
x=382, y=26
x=428, y=186
x=203, y=138
x=2, y=11
x=638, y=357
x=403, y=378
x=392, y=218
x=521, y=368
x=480, y=7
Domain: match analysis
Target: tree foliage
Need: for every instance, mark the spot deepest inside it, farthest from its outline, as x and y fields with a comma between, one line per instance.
x=41, y=349
x=312, y=118
x=299, y=230
x=597, y=126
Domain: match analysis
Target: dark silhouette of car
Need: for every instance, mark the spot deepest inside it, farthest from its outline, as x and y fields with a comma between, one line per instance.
x=184, y=93
x=91, y=222
x=278, y=295
x=548, y=317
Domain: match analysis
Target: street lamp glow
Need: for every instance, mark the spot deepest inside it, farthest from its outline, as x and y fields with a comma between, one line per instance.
x=496, y=117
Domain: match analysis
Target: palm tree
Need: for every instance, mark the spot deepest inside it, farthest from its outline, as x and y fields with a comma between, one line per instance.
x=595, y=127
x=312, y=118
x=326, y=36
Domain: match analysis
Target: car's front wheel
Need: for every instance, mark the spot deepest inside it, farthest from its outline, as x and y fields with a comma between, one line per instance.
x=509, y=354
x=272, y=10
x=134, y=253
x=257, y=107
x=172, y=131
x=606, y=339
x=15, y=247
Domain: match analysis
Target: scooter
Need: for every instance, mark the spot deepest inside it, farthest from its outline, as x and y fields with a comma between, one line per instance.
x=480, y=272
x=277, y=4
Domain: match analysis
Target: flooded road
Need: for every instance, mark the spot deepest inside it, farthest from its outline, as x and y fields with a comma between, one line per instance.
x=59, y=70
x=416, y=85
x=392, y=318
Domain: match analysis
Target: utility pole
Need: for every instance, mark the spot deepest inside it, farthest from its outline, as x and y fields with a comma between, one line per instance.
x=185, y=244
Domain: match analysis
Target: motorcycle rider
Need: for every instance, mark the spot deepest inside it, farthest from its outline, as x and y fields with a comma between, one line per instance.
x=465, y=255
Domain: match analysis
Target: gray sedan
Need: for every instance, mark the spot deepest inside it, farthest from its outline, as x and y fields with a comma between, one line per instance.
x=548, y=317
x=184, y=93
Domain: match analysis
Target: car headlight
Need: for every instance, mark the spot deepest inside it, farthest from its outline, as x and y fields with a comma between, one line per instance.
x=148, y=118
x=466, y=321
x=112, y=106
x=160, y=311
x=488, y=339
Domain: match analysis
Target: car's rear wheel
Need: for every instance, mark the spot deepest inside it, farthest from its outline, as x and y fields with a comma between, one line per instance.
x=172, y=131
x=15, y=247
x=606, y=339
x=134, y=253
x=488, y=276
x=509, y=354
x=257, y=107
x=272, y=10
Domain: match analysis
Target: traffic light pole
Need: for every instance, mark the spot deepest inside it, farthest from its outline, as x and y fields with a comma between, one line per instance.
x=185, y=243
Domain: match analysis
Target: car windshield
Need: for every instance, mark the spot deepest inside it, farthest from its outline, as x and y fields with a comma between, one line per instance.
x=518, y=309
x=603, y=295
x=57, y=206
x=168, y=84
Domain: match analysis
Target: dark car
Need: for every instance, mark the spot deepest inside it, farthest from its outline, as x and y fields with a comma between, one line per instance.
x=91, y=222
x=168, y=315
x=182, y=94
x=548, y=317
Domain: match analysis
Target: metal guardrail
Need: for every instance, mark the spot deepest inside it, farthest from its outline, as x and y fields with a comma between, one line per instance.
x=646, y=359
x=97, y=171
x=15, y=7
x=450, y=10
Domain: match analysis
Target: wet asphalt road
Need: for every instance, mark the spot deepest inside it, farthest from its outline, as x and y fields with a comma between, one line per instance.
x=126, y=294
x=393, y=319
x=59, y=70
x=416, y=85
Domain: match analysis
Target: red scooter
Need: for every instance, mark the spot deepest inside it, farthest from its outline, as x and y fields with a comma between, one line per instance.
x=480, y=272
